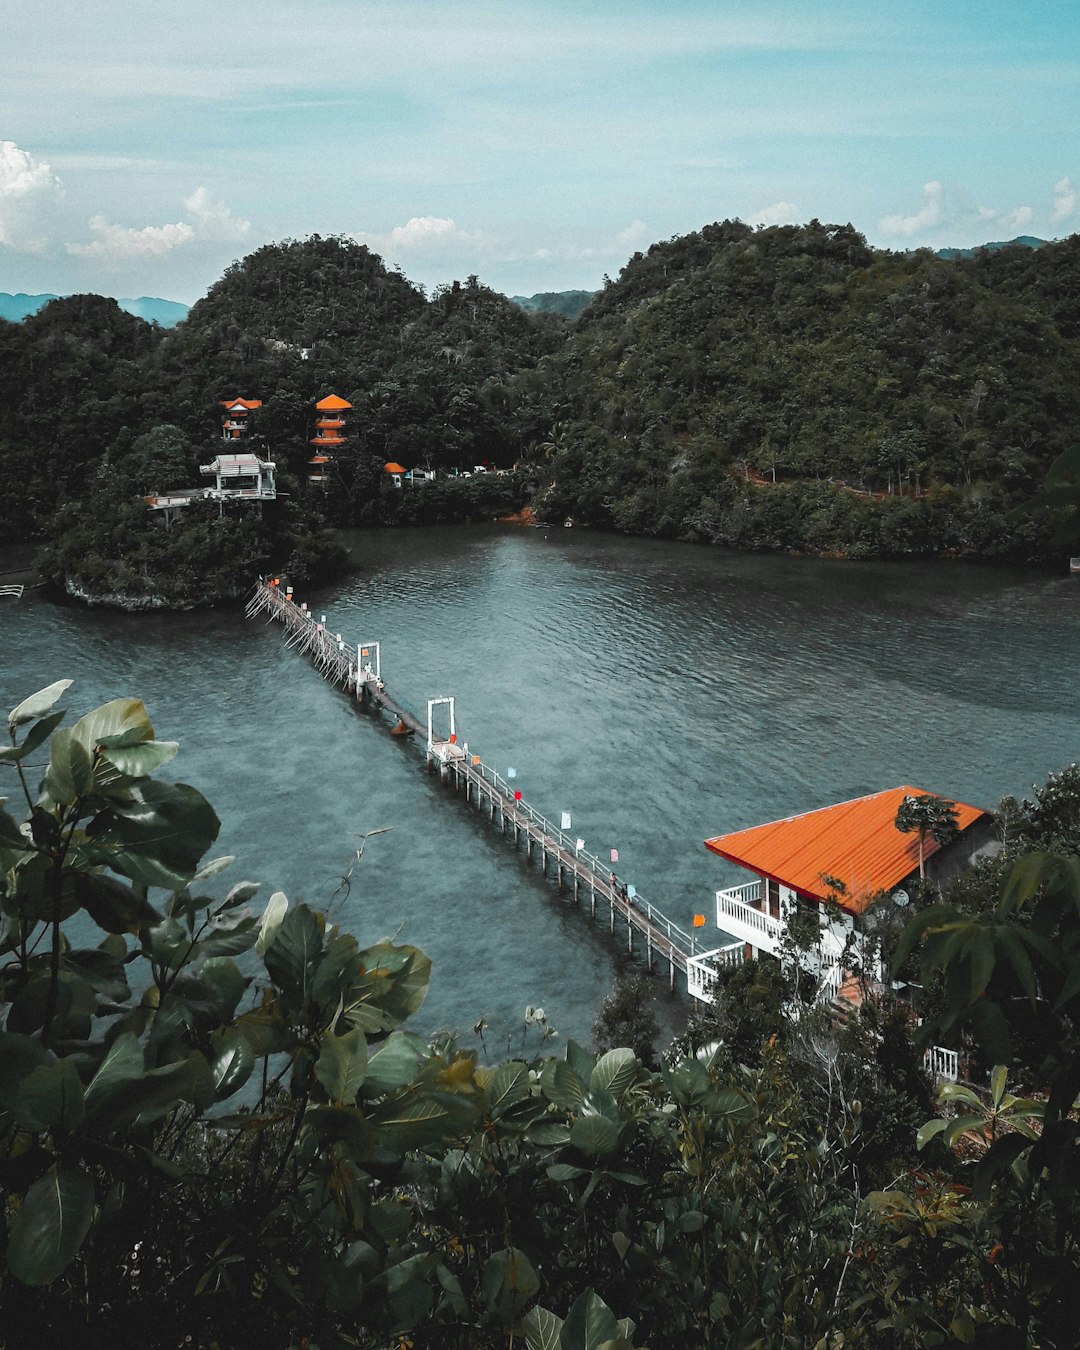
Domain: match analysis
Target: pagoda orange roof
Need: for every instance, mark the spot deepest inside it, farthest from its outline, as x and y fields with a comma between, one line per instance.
x=394, y=468
x=855, y=842
x=331, y=403
x=248, y=403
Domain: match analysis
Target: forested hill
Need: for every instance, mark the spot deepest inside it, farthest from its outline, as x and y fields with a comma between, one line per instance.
x=785, y=388
x=792, y=387
x=151, y=307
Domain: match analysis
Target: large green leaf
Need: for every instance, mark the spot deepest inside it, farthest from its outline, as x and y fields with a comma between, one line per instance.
x=224, y=985
x=294, y=952
x=504, y=1085
x=508, y=1282
x=273, y=915
x=391, y=986
x=50, y=1226
x=114, y=907
x=19, y=1056
x=338, y=971
x=228, y=935
x=37, y=735
x=37, y=705
x=342, y=1064
x=395, y=1063
x=124, y=719
x=423, y=1118
x=122, y=1064
x=137, y=761
x=345, y=1125
x=615, y=1071
x=561, y=1085
x=52, y=1095
x=10, y=834
x=158, y=836
x=589, y=1323
x=404, y=1290
x=70, y=776
x=231, y=1062
x=542, y=1329
x=594, y=1135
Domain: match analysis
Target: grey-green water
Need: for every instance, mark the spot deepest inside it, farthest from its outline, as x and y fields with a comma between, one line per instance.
x=659, y=692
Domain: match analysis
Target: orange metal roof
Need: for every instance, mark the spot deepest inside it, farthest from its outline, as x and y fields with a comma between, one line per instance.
x=394, y=468
x=856, y=842
x=331, y=403
x=247, y=403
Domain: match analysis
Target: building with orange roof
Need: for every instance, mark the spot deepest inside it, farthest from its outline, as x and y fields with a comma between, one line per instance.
x=330, y=434
x=234, y=424
x=833, y=862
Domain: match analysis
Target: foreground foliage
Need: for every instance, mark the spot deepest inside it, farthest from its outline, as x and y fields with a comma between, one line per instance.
x=215, y=1124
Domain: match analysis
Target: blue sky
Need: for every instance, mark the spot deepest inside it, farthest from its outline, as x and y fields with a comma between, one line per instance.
x=143, y=147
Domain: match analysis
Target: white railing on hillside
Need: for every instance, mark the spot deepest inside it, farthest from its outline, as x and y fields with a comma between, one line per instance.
x=942, y=1063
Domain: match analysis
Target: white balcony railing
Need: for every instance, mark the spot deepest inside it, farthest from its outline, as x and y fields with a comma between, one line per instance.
x=736, y=913
x=703, y=971
x=942, y=1063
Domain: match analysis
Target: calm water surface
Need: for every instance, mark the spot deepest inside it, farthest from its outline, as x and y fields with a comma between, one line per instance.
x=659, y=692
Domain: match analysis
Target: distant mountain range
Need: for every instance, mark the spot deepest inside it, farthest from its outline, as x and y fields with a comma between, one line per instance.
x=567, y=303
x=167, y=313
x=1021, y=241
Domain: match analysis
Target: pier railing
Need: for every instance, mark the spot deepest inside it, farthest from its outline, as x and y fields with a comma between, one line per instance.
x=598, y=870
x=333, y=657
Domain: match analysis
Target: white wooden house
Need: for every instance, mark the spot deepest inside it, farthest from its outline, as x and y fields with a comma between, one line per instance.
x=832, y=862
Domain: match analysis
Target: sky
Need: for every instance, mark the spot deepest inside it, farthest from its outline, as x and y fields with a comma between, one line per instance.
x=535, y=143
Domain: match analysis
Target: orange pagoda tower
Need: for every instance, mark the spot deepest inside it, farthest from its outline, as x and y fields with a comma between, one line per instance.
x=329, y=434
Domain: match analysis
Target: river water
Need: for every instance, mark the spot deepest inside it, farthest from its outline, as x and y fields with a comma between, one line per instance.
x=658, y=692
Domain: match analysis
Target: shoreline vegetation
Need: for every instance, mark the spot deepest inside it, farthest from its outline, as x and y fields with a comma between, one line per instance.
x=782, y=389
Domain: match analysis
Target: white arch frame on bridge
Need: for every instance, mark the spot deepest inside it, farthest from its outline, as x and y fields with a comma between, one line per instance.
x=433, y=703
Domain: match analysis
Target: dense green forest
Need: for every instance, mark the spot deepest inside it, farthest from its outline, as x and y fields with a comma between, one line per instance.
x=780, y=388
x=218, y=1130
x=793, y=388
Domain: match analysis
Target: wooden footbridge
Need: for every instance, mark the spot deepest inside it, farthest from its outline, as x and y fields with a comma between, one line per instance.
x=357, y=669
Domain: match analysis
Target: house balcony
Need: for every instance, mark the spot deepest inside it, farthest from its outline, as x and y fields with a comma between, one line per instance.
x=739, y=912
x=703, y=970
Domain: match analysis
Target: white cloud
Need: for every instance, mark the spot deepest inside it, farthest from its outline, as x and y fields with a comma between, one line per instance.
x=1064, y=201
x=1017, y=219
x=28, y=187
x=1004, y=221
x=119, y=243
x=928, y=216
x=213, y=222
x=780, y=213
x=635, y=234
x=421, y=234
x=209, y=222
x=722, y=162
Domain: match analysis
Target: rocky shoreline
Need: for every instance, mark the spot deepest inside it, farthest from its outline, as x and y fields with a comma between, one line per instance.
x=135, y=604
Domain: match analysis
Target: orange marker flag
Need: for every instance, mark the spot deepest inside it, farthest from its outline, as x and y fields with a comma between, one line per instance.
x=699, y=920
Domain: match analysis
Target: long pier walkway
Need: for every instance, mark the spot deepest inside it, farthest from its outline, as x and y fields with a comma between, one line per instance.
x=357, y=669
